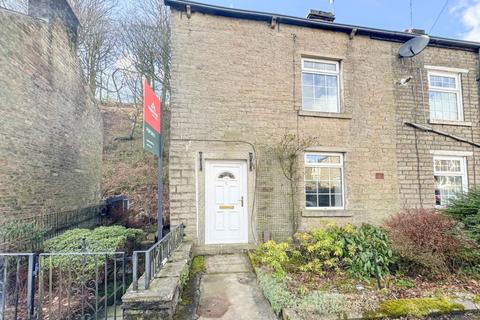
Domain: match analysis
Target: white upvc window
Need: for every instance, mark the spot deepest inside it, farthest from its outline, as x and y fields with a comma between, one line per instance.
x=450, y=173
x=320, y=85
x=445, y=96
x=324, y=181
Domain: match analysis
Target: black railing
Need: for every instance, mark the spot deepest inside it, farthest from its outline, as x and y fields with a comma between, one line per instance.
x=76, y=285
x=55, y=223
x=156, y=256
x=17, y=285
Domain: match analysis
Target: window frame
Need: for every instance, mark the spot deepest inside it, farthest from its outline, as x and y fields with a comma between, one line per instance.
x=340, y=165
x=325, y=72
x=463, y=172
x=458, y=91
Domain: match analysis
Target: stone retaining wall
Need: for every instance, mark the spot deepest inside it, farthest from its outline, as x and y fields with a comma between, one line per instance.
x=161, y=299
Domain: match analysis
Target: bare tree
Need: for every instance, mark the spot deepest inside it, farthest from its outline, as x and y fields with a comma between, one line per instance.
x=128, y=86
x=146, y=40
x=96, y=39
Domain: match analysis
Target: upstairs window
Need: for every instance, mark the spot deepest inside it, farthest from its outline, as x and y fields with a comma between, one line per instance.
x=324, y=181
x=450, y=175
x=320, y=85
x=445, y=96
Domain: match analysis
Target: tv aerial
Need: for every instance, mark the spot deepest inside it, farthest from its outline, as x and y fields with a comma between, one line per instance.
x=414, y=46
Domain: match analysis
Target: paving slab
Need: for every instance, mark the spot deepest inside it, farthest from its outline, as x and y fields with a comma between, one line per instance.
x=228, y=263
x=229, y=291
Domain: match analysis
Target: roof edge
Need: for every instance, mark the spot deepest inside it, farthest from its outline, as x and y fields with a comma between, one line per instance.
x=380, y=34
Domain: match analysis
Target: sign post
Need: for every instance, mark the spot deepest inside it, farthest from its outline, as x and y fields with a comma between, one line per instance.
x=152, y=142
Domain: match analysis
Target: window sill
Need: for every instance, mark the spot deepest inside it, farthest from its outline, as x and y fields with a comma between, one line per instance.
x=319, y=114
x=326, y=213
x=451, y=123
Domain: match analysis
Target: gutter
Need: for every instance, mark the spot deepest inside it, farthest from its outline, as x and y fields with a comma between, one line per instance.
x=442, y=133
x=375, y=33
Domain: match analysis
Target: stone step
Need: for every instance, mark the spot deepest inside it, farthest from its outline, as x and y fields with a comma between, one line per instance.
x=216, y=249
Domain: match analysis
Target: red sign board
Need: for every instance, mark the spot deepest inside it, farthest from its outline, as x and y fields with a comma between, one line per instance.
x=151, y=107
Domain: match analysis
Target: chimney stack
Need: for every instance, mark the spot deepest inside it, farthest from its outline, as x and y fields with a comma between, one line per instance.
x=414, y=31
x=318, y=15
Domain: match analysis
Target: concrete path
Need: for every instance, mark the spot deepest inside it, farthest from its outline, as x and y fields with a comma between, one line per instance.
x=229, y=291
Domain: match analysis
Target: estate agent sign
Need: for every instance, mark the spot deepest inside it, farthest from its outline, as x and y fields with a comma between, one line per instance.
x=151, y=120
x=152, y=142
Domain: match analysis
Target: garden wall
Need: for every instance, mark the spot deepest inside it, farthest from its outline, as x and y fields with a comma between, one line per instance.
x=51, y=128
x=160, y=300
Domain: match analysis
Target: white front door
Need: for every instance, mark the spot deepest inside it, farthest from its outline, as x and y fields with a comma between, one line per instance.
x=226, y=218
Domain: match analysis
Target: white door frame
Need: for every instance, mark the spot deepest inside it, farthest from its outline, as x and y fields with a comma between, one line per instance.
x=211, y=207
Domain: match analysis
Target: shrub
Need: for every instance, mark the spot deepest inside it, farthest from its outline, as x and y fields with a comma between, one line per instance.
x=428, y=242
x=273, y=255
x=102, y=239
x=370, y=252
x=350, y=248
x=320, y=250
x=22, y=236
x=466, y=209
x=329, y=249
x=275, y=291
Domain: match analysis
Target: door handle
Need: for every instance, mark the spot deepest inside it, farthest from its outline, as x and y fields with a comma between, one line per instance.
x=241, y=200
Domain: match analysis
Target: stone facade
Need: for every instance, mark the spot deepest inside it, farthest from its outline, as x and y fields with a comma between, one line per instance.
x=51, y=128
x=236, y=89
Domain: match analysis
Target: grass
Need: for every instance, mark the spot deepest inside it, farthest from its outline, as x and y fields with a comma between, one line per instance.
x=198, y=266
x=190, y=286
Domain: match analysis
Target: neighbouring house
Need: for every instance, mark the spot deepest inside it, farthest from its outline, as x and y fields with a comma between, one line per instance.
x=50, y=126
x=390, y=133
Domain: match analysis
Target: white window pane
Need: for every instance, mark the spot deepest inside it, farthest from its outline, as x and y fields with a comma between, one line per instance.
x=307, y=79
x=447, y=165
x=331, y=81
x=319, y=158
x=311, y=187
x=332, y=104
x=447, y=189
x=443, y=105
x=336, y=180
x=443, y=81
x=320, y=80
x=320, y=66
x=308, y=92
x=324, y=187
x=312, y=173
x=323, y=181
x=320, y=93
x=311, y=200
x=309, y=64
x=308, y=104
x=336, y=200
x=324, y=200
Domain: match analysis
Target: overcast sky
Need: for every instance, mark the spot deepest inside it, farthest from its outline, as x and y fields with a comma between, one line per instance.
x=460, y=18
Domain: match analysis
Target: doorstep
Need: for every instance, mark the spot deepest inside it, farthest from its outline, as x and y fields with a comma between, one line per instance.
x=214, y=249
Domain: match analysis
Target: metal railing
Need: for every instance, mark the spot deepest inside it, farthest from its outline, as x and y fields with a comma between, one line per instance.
x=52, y=224
x=74, y=285
x=84, y=285
x=17, y=285
x=156, y=256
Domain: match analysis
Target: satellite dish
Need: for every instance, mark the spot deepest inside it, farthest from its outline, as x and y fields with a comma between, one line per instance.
x=414, y=46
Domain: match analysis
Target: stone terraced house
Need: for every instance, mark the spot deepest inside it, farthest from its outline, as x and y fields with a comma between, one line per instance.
x=389, y=133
